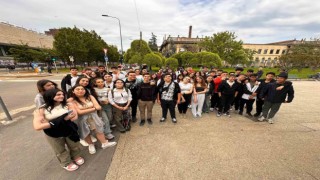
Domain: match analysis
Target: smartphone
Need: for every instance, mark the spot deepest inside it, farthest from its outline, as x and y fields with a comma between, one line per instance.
x=70, y=111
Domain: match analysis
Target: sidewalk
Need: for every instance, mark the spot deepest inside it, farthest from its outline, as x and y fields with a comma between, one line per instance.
x=226, y=148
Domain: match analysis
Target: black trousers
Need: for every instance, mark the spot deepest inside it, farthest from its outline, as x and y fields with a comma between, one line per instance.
x=225, y=103
x=183, y=107
x=259, y=104
x=248, y=103
x=168, y=105
x=215, y=100
x=134, y=105
x=236, y=101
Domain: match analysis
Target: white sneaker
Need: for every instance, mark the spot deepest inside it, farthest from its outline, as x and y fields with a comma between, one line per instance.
x=270, y=121
x=108, y=144
x=83, y=142
x=211, y=109
x=261, y=118
x=92, y=149
x=110, y=136
x=93, y=139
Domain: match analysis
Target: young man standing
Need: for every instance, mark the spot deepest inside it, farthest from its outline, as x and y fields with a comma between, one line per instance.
x=147, y=94
x=274, y=94
x=169, y=95
x=102, y=70
x=131, y=83
x=215, y=99
x=227, y=90
x=70, y=79
x=263, y=83
x=249, y=94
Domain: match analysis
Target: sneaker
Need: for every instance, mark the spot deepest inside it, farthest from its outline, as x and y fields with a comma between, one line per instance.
x=227, y=114
x=79, y=161
x=110, y=136
x=256, y=115
x=249, y=114
x=195, y=115
x=211, y=109
x=199, y=115
x=149, y=121
x=134, y=119
x=163, y=119
x=83, y=142
x=93, y=139
x=71, y=167
x=240, y=113
x=108, y=144
x=142, y=122
x=218, y=114
x=230, y=109
x=113, y=125
x=174, y=120
x=189, y=106
x=92, y=149
x=270, y=121
x=261, y=118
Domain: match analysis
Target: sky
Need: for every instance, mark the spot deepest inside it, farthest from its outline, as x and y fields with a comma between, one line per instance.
x=253, y=21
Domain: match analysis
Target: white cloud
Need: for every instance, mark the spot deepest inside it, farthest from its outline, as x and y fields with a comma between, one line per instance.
x=254, y=21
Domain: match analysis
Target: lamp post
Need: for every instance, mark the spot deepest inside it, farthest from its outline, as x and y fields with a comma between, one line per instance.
x=121, y=58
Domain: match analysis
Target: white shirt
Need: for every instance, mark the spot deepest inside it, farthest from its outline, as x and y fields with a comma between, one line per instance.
x=185, y=87
x=119, y=97
x=118, y=76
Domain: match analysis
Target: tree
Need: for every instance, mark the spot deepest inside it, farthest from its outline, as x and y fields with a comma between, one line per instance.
x=152, y=59
x=186, y=58
x=153, y=43
x=172, y=63
x=226, y=46
x=303, y=54
x=138, y=48
x=23, y=53
x=137, y=58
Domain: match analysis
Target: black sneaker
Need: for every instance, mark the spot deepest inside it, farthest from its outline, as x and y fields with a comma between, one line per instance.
x=256, y=115
x=134, y=119
x=240, y=113
x=149, y=121
x=142, y=122
x=163, y=119
x=218, y=114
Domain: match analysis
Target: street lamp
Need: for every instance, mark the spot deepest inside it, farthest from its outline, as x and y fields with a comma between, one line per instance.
x=121, y=58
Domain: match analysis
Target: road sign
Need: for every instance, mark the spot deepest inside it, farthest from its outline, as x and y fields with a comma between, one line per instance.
x=71, y=58
x=106, y=58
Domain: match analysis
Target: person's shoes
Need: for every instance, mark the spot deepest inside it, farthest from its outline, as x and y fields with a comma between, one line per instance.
x=83, y=142
x=113, y=125
x=163, y=119
x=79, y=161
x=189, y=106
x=108, y=144
x=249, y=114
x=240, y=113
x=93, y=139
x=230, y=109
x=211, y=109
x=174, y=120
x=195, y=115
x=227, y=114
x=122, y=130
x=110, y=136
x=71, y=167
x=134, y=119
x=218, y=114
x=261, y=119
x=92, y=149
x=128, y=128
x=199, y=115
x=142, y=122
x=149, y=121
x=256, y=115
x=270, y=121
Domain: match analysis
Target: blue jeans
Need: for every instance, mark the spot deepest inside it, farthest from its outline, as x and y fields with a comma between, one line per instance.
x=105, y=118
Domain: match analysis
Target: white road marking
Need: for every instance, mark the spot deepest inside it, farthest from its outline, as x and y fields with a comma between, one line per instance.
x=16, y=111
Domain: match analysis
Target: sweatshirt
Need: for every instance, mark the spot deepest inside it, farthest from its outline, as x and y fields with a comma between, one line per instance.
x=269, y=93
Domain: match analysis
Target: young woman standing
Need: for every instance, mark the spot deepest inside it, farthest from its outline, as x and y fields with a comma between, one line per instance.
x=199, y=90
x=87, y=106
x=43, y=85
x=186, y=91
x=56, y=118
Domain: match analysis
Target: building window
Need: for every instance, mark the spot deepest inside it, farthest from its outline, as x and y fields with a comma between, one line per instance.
x=278, y=51
x=271, y=51
x=284, y=51
x=259, y=51
x=265, y=51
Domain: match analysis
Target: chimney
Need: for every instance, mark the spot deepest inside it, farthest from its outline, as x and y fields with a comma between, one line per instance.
x=190, y=31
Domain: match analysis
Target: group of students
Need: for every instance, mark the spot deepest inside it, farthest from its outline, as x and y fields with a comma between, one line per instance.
x=96, y=101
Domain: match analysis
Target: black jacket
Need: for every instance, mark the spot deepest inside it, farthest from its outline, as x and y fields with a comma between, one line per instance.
x=147, y=92
x=210, y=89
x=66, y=81
x=269, y=93
x=225, y=88
x=263, y=84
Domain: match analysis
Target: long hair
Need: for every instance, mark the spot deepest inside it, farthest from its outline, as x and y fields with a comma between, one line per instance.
x=203, y=83
x=41, y=83
x=95, y=80
x=89, y=87
x=48, y=97
x=86, y=95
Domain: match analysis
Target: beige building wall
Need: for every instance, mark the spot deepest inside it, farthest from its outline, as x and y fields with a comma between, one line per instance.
x=266, y=54
x=13, y=35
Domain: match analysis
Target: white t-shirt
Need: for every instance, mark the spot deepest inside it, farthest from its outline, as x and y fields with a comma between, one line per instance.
x=185, y=87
